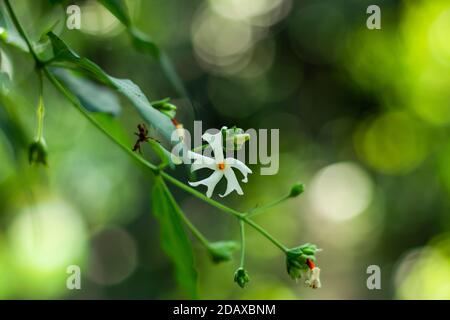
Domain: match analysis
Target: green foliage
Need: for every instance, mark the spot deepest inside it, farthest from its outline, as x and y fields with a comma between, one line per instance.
x=66, y=56
x=11, y=126
x=5, y=82
x=173, y=237
x=144, y=43
x=221, y=251
x=93, y=97
x=8, y=32
x=162, y=153
x=119, y=9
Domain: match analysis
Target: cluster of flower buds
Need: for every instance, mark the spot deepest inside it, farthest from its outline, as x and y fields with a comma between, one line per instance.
x=234, y=138
x=301, y=261
x=165, y=107
x=241, y=277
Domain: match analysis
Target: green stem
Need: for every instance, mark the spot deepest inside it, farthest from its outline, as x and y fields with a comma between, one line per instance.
x=264, y=208
x=201, y=196
x=22, y=32
x=265, y=234
x=241, y=224
x=40, y=111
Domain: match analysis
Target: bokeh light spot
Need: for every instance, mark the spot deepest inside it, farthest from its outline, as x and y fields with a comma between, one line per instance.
x=425, y=274
x=47, y=237
x=219, y=42
x=97, y=20
x=341, y=191
x=392, y=143
x=113, y=257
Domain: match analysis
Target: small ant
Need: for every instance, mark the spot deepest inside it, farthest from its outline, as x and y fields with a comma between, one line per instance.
x=142, y=135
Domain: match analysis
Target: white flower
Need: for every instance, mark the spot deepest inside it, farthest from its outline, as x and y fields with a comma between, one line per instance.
x=220, y=166
x=314, y=278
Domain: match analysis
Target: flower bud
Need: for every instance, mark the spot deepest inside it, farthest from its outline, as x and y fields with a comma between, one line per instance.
x=234, y=138
x=296, y=190
x=37, y=152
x=165, y=107
x=241, y=277
x=222, y=250
x=297, y=259
x=169, y=110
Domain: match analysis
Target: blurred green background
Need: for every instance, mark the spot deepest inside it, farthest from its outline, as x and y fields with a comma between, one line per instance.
x=364, y=118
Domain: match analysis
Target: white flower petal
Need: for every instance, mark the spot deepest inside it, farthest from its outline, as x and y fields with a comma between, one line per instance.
x=215, y=141
x=240, y=166
x=200, y=161
x=209, y=182
x=197, y=166
x=232, y=183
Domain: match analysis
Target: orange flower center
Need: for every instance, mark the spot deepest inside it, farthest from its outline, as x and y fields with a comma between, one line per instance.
x=221, y=166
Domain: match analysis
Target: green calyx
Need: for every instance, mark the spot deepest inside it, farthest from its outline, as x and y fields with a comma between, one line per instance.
x=296, y=259
x=37, y=152
x=241, y=277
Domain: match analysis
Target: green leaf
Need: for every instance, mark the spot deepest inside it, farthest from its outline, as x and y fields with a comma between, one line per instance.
x=119, y=9
x=221, y=251
x=155, y=118
x=93, y=97
x=143, y=43
x=8, y=33
x=5, y=82
x=174, y=240
x=15, y=132
x=65, y=57
x=113, y=127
